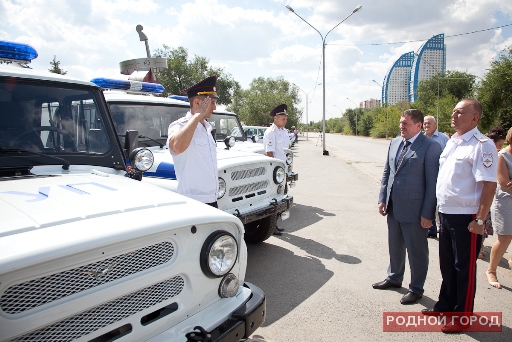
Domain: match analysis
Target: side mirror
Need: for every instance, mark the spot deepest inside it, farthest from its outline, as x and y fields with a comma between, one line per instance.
x=131, y=142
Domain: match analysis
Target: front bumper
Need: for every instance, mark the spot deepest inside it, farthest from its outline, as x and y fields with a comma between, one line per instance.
x=243, y=321
x=274, y=207
x=292, y=176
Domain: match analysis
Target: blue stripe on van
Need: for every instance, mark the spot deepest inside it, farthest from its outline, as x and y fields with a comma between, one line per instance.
x=164, y=170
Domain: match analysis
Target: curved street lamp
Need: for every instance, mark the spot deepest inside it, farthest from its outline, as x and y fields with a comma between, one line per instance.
x=325, y=152
x=307, y=122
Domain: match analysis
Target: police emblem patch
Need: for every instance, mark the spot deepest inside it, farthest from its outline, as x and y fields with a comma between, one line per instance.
x=487, y=157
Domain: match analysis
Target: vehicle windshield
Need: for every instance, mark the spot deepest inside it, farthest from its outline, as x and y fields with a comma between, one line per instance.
x=152, y=121
x=42, y=118
x=226, y=125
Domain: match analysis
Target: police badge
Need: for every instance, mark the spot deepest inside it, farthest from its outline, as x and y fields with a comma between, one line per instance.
x=487, y=158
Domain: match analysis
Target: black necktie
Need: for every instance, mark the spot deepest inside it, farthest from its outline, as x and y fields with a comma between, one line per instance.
x=402, y=155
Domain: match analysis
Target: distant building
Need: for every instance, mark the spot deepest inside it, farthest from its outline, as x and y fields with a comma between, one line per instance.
x=369, y=104
x=431, y=59
x=396, y=83
x=401, y=82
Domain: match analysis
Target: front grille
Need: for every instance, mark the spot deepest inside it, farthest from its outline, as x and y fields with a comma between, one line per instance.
x=34, y=293
x=101, y=316
x=243, y=174
x=242, y=189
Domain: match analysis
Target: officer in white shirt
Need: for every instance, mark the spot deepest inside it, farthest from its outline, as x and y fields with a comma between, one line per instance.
x=276, y=139
x=193, y=147
x=465, y=190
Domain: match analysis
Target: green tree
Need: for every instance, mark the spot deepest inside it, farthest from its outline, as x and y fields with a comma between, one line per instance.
x=495, y=93
x=183, y=72
x=254, y=104
x=56, y=67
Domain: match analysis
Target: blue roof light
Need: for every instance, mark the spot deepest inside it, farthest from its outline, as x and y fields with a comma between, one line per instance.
x=179, y=97
x=17, y=51
x=144, y=87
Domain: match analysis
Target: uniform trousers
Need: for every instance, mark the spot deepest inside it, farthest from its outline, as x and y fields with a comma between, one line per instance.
x=458, y=251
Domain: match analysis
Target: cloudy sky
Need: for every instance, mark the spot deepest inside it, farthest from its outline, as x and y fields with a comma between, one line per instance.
x=250, y=39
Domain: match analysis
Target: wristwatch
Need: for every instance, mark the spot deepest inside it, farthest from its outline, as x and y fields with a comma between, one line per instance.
x=479, y=222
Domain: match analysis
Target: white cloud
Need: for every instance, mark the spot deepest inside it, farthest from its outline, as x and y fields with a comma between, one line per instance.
x=261, y=38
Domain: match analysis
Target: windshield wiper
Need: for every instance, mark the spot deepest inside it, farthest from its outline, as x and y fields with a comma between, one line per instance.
x=153, y=140
x=65, y=163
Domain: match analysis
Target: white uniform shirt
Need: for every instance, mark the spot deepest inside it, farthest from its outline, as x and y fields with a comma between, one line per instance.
x=276, y=140
x=196, y=167
x=465, y=163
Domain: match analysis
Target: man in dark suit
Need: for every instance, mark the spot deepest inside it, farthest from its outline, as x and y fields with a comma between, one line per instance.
x=408, y=198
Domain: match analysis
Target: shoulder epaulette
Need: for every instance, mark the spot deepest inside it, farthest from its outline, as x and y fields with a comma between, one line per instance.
x=481, y=137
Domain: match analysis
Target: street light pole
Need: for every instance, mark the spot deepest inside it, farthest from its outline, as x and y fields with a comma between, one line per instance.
x=325, y=152
x=355, y=110
x=386, y=112
x=307, y=103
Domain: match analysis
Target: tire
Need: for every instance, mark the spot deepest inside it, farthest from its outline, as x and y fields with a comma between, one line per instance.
x=259, y=231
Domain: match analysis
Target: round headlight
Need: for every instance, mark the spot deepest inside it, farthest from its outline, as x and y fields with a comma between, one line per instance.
x=219, y=253
x=229, y=286
x=222, y=188
x=141, y=159
x=279, y=175
x=289, y=158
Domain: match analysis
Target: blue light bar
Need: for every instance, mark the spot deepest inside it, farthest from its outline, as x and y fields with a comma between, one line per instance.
x=178, y=97
x=17, y=51
x=144, y=87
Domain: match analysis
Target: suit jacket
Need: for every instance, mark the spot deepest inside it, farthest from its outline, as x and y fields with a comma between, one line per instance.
x=411, y=187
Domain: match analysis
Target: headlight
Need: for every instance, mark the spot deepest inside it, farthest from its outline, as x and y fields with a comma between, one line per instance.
x=219, y=253
x=229, y=286
x=289, y=158
x=229, y=141
x=279, y=175
x=222, y=188
x=141, y=159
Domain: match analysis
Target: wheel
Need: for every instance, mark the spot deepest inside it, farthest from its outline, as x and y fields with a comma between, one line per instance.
x=259, y=231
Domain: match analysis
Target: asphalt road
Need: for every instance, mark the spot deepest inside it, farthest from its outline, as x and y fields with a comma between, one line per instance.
x=317, y=277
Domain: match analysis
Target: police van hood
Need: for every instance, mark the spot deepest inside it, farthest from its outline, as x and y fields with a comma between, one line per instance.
x=45, y=201
x=233, y=158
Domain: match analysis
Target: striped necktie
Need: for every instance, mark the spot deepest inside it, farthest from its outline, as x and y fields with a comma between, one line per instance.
x=402, y=155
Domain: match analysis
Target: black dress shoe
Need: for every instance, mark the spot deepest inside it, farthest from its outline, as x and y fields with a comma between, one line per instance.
x=385, y=285
x=432, y=236
x=410, y=298
x=277, y=232
x=430, y=312
x=279, y=229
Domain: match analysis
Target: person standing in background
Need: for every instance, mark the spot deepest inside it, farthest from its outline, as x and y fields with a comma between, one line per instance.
x=501, y=211
x=276, y=139
x=430, y=129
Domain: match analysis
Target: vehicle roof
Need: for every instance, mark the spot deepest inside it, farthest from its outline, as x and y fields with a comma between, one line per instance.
x=15, y=70
x=121, y=96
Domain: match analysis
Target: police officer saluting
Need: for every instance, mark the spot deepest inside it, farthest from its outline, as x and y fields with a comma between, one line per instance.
x=276, y=139
x=192, y=145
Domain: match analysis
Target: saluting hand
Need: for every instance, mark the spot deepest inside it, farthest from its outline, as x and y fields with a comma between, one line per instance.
x=204, y=108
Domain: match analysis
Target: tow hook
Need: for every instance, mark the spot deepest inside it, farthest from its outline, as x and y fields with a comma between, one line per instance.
x=237, y=213
x=274, y=202
x=198, y=336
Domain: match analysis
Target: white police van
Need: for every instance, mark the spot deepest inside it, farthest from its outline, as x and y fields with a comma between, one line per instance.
x=251, y=186
x=88, y=254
